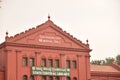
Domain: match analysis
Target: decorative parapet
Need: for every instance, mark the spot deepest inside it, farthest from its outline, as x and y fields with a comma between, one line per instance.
x=33, y=30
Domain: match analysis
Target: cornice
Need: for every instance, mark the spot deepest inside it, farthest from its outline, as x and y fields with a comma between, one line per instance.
x=46, y=47
x=69, y=36
x=2, y=45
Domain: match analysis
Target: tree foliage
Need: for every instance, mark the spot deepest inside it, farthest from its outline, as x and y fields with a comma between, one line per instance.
x=107, y=61
x=118, y=59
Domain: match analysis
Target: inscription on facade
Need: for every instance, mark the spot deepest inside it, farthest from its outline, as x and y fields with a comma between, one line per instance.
x=49, y=39
x=50, y=71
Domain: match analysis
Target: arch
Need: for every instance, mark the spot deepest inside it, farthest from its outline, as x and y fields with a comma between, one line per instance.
x=50, y=57
x=31, y=77
x=43, y=56
x=57, y=78
x=74, y=78
x=67, y=58
x=25, y=77
x=68, y=78
x=50, y=78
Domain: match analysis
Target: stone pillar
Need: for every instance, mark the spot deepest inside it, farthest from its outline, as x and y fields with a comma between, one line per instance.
x=78, y=66
x=37, y=54
x=10, y=63
x=62, y=64
x=17, y=66
x=87, y=58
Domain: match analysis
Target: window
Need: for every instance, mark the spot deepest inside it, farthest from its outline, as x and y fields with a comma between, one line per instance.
x=24, y=61
x=56, y=63
x=50, y=62
x=50, y=78
x=74, y=78
x=25, y=77
x=43, y=62
x=31, y=61
x=43, y=77
x=57, y=78
x=74, y=64
x=67, y=78
x=31, y=77
x=67, y=63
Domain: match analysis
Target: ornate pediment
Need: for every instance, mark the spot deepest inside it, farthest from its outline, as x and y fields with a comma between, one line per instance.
x=47, y=34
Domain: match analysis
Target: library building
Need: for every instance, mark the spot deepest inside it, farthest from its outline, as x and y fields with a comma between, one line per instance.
x=46, y=52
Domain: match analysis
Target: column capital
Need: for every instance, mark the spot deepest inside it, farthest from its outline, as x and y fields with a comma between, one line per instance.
x=7, y=50
x=62, y=54
x=79, y=55
x=87, y=56
x=37, y=52
x=18, y=51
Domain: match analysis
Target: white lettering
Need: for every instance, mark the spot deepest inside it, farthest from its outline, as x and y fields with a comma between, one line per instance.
x=49, y=39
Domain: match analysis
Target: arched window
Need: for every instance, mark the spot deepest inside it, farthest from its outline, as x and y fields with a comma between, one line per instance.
x=25, y=61
x=44, y=78
x=31, y=61
x=25, y=77
x=31, y=77
x=43, y=62
x=74, y=78
x=50, y=78
x=67, y=78
x=57, y=78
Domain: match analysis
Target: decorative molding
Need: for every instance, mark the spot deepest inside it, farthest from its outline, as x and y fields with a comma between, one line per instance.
x=62, y=54
x=79, y=55
x=48, y=23
x=37, y=52
x=18, y=51
x=47, y=47
x=87, y=56
x=8, y=50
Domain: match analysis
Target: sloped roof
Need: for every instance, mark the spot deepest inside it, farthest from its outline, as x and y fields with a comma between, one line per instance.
x=101, y=68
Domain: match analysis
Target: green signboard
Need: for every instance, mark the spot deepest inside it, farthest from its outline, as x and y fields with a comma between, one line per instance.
x=50, y=71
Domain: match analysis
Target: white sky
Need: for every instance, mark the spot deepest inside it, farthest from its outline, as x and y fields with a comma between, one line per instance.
x=95, y=20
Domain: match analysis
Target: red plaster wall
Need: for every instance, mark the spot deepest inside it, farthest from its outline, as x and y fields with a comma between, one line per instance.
x=15, y=69
x=2, y=75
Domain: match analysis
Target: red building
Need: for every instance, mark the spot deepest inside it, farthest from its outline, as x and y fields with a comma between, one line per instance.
x=45, y=53
x=100, y=72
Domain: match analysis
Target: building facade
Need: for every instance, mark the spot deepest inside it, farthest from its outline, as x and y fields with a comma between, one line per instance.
x=110, y=72
x=45, y=53
x=46, y=46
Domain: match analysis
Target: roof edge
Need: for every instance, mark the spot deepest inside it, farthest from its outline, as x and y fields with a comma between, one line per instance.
x=114, y=65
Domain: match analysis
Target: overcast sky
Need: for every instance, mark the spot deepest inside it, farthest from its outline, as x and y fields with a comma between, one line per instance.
x=95, y=20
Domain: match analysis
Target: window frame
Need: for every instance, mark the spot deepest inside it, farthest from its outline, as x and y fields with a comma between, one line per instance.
x=44, y=78
x=50, y=63
x=68, y=64
x=25, y=61
x=32, y=62
x=31, y=77
x=43, y=62
x=25, y=77
x=74, y=78
x=50, y=78
x=57, y=78
x=74, y=64
x=57, y=63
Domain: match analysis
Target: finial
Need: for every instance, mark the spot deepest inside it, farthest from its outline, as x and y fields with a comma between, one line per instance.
x=48, y=17
x=6, y=33
x=87, y=41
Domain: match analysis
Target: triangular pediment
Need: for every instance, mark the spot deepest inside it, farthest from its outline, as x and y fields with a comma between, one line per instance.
x=48, y=34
